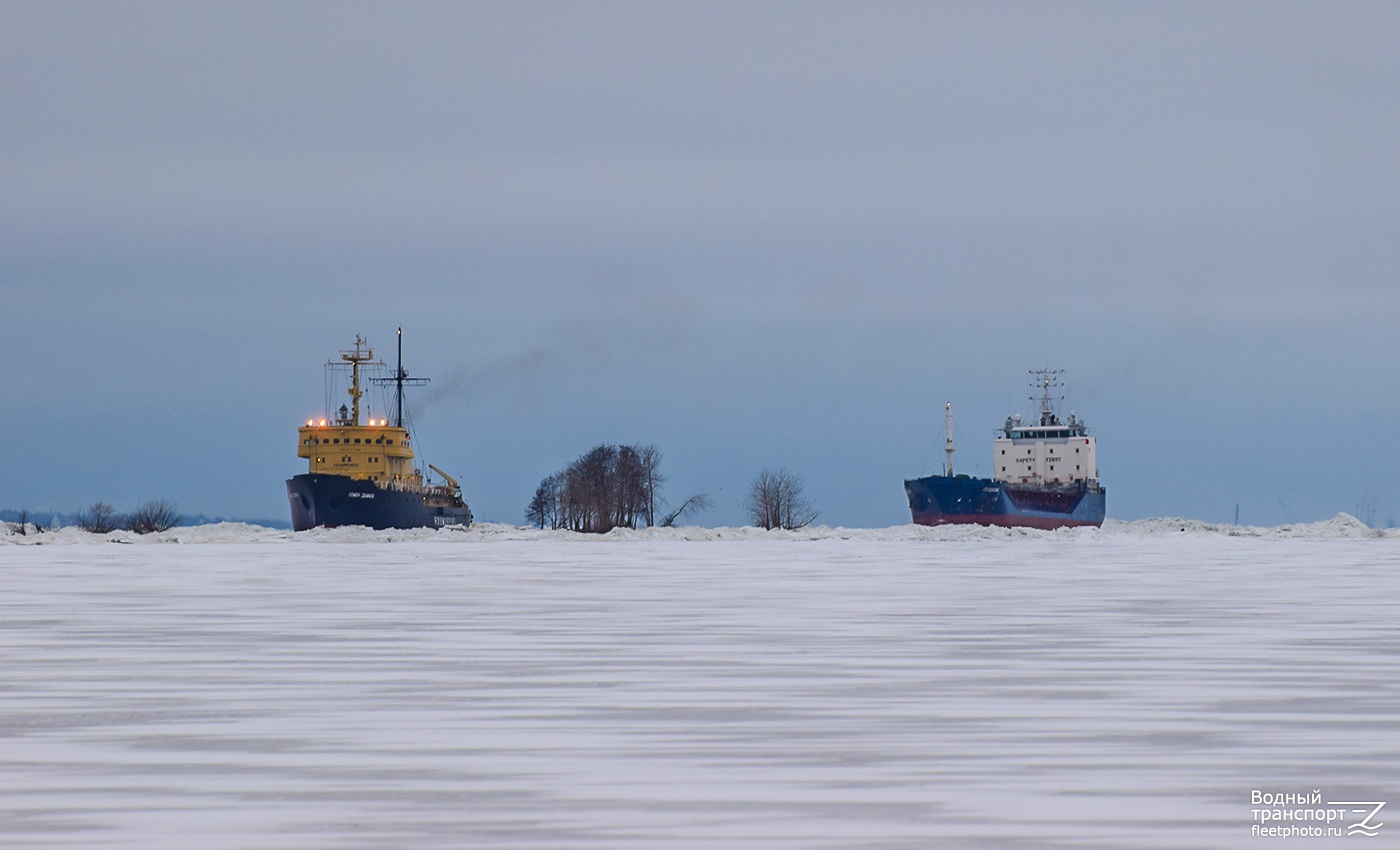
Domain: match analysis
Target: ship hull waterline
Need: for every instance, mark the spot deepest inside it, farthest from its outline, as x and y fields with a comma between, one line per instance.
x=961, y=499
x=330, y=501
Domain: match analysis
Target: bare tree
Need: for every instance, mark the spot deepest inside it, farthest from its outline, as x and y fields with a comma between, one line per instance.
x=628, y=500
x=649, y=458
x=694, y=504
x=775, y=500
x=100, y=518
x=545, y=508
x=152, y=517
x=24, y=522
x=1366, y=508
x=592, y=489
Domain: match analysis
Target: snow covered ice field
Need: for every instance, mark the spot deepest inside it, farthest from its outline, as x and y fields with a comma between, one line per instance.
x=235, y=687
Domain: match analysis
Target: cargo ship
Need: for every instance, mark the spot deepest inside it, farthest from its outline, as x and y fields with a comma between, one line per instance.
x=1045, y=475
x=363, y=473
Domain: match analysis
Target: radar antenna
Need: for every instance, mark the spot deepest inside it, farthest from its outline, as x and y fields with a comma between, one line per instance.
x=1045, y=380
x=400, y=380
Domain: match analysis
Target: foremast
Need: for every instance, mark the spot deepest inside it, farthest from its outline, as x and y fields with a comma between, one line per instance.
x=355, y=357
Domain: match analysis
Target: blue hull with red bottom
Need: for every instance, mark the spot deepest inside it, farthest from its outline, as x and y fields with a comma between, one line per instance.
x=947, y=500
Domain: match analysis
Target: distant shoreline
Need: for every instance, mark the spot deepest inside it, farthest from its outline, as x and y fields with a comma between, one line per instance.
x=1341, y=527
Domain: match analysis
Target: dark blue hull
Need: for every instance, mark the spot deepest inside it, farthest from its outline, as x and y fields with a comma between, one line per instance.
x=329, y=501
x=943, y=500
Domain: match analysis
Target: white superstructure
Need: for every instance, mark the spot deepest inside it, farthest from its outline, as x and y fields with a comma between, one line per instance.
x=1049, y=452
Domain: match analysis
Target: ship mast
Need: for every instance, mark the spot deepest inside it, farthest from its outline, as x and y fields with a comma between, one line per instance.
x=355, y=358
x=1045, y=379
x=948, y=443
x=399, y=380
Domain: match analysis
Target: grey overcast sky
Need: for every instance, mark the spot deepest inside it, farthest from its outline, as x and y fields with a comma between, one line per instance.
x=753, y=234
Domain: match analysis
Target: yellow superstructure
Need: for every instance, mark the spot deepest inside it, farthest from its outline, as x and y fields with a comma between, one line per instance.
x=377, y=452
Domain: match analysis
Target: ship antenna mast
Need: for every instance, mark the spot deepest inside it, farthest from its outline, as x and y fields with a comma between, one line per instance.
x=355, y=358
x=399, y=375
x=948, y=443
x=399, y=380
x=1045, y=379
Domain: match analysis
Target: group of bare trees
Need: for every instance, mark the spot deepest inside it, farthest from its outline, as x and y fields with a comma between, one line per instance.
x=619, y=487
x=607, y=487
x=101, y=518
x=775, y=500
x=23, y=522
